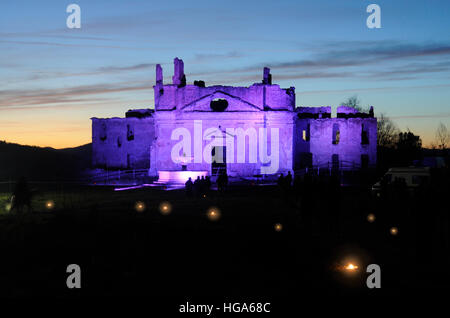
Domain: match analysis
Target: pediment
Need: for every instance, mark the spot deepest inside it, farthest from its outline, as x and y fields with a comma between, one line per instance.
x=235, y=104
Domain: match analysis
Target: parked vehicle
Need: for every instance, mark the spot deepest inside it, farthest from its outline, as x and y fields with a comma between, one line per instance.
x=411, y=177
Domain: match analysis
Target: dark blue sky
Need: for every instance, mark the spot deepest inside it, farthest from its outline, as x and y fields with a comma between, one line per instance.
x=53, y=79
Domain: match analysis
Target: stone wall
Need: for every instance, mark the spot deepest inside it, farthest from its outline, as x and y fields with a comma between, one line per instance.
x=217, y=125
x=178, y=94
x=307, y=136
x=169, y=97
x=349, y=146
x=122, y=143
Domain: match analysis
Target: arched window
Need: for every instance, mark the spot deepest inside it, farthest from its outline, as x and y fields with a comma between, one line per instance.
x=364, y=135
x=306, y=133
x=103, y=132
x=336, y=134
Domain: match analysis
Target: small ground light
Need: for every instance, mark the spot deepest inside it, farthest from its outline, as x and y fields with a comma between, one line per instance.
x=139, y=206
x=394, y=230
x=278, y=227
x=165, y=208
x=49, y=204
x=371, y=217
x=213, y=214
x=8, y=207
x=351, y=267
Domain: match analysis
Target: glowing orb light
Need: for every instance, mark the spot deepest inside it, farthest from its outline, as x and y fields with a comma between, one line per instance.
x=8, y=207
x=278, y=227
x=165, y=208
x=371, y=218
x=394, y=230
x=351, y=267
x=213, y=214
x=49, y=204
x=139, y=206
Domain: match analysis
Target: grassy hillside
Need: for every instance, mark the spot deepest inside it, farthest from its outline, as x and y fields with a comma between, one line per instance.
x=43, y=164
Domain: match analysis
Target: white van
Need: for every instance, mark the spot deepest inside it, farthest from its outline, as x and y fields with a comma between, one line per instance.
x=413, y=177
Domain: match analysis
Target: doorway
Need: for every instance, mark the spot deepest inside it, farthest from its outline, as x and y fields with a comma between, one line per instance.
x=218, y=160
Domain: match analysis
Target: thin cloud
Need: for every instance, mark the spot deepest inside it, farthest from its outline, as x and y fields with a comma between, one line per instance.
x=369, y=89
x=90, y=45
x=355, y=60
x=37, y=75
x=17, y=97
x=440, y=115
x=48, y=34
x=109, y=69
x=214, y=56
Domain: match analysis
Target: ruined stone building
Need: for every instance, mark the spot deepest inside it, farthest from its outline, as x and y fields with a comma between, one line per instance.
x=245, y=131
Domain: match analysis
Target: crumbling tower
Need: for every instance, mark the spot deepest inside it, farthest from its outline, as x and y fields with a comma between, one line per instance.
x=178, y=73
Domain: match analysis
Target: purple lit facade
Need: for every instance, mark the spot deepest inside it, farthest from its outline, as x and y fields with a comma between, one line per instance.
x=307, y=136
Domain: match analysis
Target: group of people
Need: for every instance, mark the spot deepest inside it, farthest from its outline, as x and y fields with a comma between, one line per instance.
x=285, y=182
x=202, y=186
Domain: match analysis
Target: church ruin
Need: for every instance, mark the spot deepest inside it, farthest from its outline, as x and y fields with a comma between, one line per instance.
x=243, y=131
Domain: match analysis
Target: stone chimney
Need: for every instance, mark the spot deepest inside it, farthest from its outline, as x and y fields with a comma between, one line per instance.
x=159, y=75
x=178, y=73
x=267, y=77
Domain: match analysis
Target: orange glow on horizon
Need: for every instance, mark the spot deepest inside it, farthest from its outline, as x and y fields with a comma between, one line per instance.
x=43, y=134
x=69, y=125
x=59, y=125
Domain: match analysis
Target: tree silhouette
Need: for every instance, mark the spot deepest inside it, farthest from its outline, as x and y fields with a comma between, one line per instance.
x=387, y=132
x=353, y=102
x=442, y=136
x=409, y=147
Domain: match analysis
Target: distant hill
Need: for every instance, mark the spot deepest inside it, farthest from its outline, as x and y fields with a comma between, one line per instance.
x=43, y=164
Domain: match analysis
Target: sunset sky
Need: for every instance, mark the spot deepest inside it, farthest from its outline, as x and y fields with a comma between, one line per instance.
x=53, y=79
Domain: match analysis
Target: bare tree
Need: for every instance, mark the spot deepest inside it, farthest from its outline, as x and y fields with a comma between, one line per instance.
x=433, y=145
x=353, y=102
x=442, y=136
x=387, y=131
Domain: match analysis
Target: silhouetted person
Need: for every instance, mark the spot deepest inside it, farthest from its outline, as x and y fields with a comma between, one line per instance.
x=21, y=196
x=222, y=181
x=189, y=186
x=225, y=179
x=207, y=184
x=202, y=186
x=280, y=181
x=197, y=186
x=288, y=180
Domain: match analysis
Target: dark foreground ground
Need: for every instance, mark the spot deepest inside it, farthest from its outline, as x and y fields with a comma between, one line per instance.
x=128, y=254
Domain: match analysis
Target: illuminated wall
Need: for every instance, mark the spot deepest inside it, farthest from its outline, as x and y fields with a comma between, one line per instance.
x=263, y=113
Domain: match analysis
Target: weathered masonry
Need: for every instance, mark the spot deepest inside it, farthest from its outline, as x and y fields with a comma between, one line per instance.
x=245, y=123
